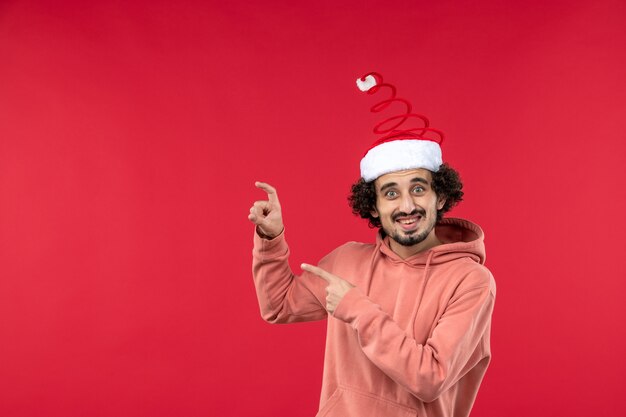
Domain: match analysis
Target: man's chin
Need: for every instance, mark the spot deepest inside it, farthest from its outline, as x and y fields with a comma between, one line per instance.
x=408, y=240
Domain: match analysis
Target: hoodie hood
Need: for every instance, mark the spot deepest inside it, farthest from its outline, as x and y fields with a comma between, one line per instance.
x=460, y=239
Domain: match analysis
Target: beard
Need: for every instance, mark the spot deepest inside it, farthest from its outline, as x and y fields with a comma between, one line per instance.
x=409, y=240
x=413, y=238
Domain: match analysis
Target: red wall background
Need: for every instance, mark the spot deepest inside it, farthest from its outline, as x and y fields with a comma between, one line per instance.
x=131, y=134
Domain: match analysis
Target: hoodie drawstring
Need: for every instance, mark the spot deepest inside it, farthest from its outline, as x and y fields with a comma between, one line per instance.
x=421, y=294
x=371, y=270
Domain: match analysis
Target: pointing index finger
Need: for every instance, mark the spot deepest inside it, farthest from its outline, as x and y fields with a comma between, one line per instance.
x=271, y=191
x=318, y=271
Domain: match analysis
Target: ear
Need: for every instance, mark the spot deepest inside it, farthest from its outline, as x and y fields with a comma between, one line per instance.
x=441, y=202
x=374, y=212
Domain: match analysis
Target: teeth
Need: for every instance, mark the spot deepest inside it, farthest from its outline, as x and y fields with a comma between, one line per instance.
x=408, y=221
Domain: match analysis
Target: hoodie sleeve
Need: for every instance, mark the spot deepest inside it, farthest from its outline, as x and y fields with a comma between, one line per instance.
x=283, y=296
x=426, y=370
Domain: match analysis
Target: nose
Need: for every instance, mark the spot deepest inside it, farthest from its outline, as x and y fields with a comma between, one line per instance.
x=407, y=205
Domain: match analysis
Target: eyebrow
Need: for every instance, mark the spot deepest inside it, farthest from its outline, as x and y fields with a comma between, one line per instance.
x=419, y=179
x=413, y=181
x=388, y=185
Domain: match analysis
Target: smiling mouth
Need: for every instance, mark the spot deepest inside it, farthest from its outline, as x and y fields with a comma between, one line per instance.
x=408, y=223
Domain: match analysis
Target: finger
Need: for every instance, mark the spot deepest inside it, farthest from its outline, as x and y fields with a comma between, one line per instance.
x=260, y=209
x=326, y=276
x=261, y=205
x=255, y=213
x=271, y=191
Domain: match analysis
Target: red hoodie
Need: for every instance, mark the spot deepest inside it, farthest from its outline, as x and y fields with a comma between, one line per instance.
x=411, y=339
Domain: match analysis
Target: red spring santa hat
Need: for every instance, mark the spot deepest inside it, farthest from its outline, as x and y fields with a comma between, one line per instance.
x=398, y=149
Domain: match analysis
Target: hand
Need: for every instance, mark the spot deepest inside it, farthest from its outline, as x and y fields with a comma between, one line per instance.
x=266, y=215
x=336, y=289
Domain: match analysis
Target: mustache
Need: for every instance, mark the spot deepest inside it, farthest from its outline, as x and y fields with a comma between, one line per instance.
x=415, y=212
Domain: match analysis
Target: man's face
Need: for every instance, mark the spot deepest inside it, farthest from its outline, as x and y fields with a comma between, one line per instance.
x=407, y=207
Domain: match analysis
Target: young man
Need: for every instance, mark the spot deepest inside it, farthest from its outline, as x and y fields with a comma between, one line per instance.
x=409, y=316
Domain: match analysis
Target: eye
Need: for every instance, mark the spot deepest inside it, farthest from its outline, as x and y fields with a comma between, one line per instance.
x=418, y=189
x=391, y=194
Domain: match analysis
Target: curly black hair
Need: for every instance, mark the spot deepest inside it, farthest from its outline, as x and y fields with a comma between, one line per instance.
x=446, y=184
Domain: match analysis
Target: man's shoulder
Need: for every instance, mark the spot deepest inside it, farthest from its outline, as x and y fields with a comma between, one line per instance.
x=352, y=251
x=356, y=247
x=474, y=276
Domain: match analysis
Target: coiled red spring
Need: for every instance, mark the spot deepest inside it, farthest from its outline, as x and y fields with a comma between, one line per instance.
x=391, y=131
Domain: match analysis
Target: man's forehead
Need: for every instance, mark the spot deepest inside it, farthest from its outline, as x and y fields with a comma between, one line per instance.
x=405, y=176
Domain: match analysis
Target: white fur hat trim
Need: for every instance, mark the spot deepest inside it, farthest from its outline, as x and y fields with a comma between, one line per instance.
x=399, y=155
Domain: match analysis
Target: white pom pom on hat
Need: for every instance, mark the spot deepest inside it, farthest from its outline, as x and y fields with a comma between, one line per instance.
x=366, y=83
x=398, y=149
